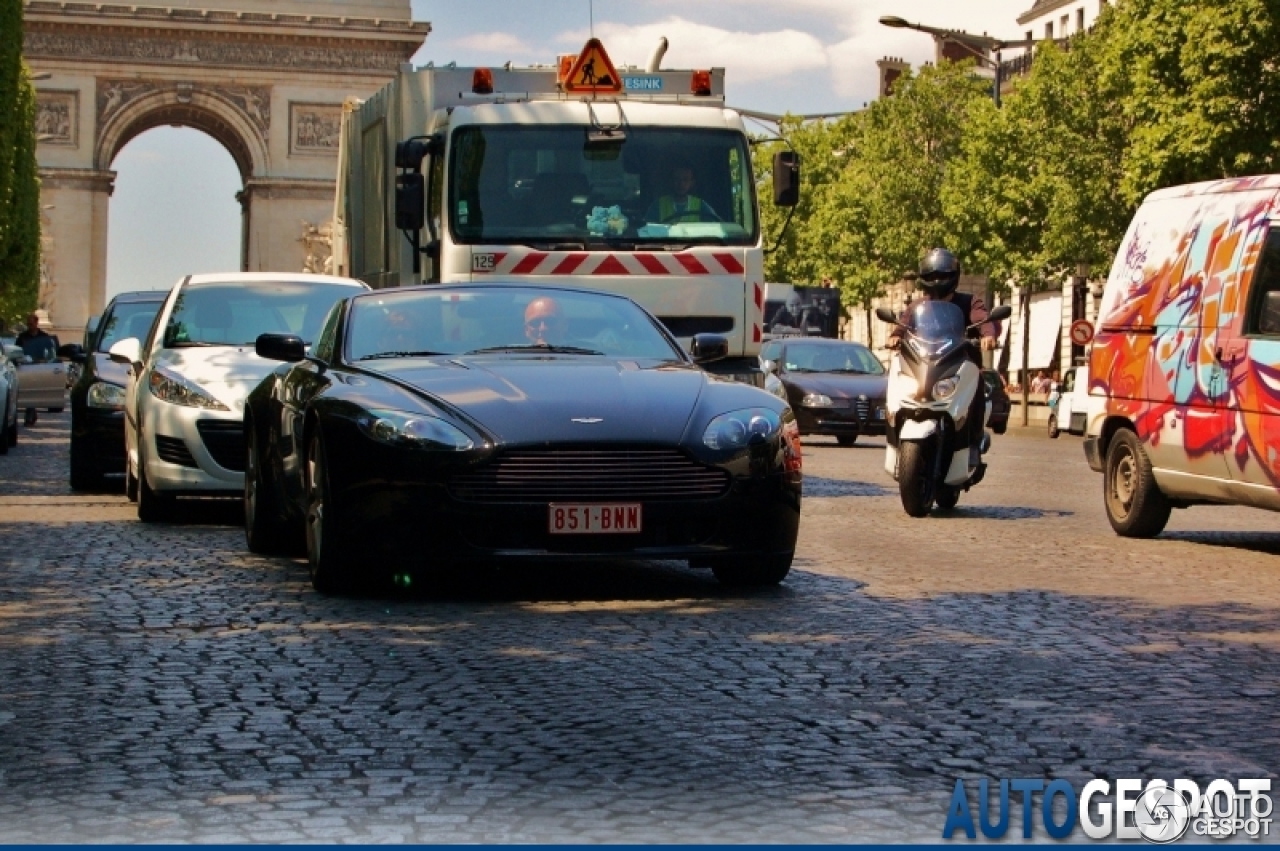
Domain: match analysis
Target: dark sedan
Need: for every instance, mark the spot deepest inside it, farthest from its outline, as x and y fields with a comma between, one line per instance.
x=835, y=387
x=97, y=398
x=442, y=424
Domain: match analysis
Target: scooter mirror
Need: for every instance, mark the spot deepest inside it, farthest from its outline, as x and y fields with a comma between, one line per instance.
x=1000, y=314
x=884, y=314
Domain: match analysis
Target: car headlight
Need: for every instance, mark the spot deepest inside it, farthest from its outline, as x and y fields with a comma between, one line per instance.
x=736, y=429
x=414, y=431
x=945, y=388
x=816, y=400
x=173, y=388
x=104, y=395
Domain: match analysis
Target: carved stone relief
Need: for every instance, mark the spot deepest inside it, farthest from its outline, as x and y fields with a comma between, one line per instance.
x=314, y=128
x=113, y=94
x=254, y=101
x=317, y=242
x=58, y=118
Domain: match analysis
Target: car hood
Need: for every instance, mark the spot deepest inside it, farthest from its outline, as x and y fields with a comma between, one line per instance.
x=536, y=399
x=839, y=385
x=227, y=373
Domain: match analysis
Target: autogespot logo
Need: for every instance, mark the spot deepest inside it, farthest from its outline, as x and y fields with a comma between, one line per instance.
x=1155, y=811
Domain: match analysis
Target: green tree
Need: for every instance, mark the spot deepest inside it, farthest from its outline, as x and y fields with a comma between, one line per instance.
x=19, y=181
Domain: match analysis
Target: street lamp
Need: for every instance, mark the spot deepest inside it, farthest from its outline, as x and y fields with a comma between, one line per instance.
x=967, y=42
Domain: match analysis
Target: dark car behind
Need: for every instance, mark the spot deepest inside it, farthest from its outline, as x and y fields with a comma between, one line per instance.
x=835, y=387
x=1000, y=403
x=97, y=398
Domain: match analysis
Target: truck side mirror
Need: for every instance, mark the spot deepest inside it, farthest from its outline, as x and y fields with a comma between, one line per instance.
x=786, y=178
x=411, y=198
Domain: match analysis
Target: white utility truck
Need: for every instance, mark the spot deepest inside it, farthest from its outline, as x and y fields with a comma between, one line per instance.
x=636, y=182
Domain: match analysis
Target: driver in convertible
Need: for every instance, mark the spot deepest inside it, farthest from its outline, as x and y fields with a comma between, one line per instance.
x=681, y=205
x=939, y=276
x=544, y=324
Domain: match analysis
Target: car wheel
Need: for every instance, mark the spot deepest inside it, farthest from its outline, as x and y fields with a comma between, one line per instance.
x=266, y=530
x=4, y=437
x=1135, y=504
x=11, y=435
x=152, y=507
x=326, y=544
x=947, y=497
x=29, y=419
x=1053, y=425
x=83, y=476
x=753, y=571
x=915, y=478
x=55, y=410
x=847, y=439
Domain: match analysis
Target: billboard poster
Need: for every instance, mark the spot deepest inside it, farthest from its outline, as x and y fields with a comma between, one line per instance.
x=791, y=311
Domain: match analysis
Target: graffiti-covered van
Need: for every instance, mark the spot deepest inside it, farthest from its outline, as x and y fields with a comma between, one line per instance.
x=1184, y=404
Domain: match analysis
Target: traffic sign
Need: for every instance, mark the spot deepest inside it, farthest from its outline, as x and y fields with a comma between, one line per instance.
x=593, y=73
x=1082, y=332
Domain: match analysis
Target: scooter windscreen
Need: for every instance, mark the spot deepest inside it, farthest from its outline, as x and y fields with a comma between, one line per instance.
x=935, y=328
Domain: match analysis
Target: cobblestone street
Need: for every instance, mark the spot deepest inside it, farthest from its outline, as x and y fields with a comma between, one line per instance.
x=159, y=683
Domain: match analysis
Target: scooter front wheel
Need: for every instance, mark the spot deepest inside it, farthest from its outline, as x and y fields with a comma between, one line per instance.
x=915, y=478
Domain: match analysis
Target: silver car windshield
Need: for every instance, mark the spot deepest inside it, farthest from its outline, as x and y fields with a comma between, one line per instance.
x=500, y=319
x=235, y=313
x=659, y=185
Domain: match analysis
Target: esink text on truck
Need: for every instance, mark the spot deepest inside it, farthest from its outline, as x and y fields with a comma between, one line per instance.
x=637, y=182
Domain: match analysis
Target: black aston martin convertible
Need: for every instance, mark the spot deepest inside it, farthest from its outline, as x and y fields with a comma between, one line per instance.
x=444, y=424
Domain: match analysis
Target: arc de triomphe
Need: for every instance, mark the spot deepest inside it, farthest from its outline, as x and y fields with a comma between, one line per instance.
x=266, y=78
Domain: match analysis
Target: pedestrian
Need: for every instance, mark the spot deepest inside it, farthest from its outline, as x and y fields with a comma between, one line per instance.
x=38, y=346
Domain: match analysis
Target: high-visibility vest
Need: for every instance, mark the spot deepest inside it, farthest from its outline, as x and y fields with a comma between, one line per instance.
x=667, y=210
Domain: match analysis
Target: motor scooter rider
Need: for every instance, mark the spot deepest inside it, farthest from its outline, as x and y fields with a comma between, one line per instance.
x=939, y=276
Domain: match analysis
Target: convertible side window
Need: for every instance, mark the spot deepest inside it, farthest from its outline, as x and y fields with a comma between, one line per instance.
x=324, y=346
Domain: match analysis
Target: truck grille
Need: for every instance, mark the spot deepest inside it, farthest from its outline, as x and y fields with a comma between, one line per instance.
x=225, y=441
x=590, y=475
x=173, y=450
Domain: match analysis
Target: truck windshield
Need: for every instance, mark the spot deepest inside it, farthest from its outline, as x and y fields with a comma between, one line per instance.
x=661, y=185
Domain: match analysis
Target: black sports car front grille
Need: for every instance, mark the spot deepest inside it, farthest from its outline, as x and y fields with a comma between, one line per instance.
x=589, y=475
x=225, y=441
x=174, y=450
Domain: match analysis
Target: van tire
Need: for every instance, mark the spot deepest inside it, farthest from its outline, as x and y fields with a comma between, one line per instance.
x=1135, y=505
x=1053, y=425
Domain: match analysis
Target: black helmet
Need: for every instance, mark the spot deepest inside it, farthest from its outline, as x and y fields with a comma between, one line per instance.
x=939, y=273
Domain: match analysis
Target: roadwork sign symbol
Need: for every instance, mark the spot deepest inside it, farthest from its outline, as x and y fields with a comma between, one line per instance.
x=593, y=73
x=1082, y=332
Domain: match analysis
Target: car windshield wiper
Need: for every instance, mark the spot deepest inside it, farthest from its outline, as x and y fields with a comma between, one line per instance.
x=536, y=347
x=800, y=369
x=196, y=344
x=852, y=371
x=419, y=354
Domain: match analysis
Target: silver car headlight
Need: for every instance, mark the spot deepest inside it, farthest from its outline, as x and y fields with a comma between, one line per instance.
x=816, y=400
x=414, y=431
x=736, y=429
x=104, y=395
x=173, y=388
x=945, y=388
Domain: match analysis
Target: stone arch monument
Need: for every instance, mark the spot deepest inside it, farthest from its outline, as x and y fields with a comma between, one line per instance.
x=266, y=79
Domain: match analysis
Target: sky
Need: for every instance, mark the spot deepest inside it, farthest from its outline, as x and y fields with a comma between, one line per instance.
x=174, y=211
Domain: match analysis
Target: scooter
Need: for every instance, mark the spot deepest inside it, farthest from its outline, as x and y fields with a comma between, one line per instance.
x=932, y=383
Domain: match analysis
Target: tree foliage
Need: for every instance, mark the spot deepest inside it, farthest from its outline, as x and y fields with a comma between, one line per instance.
x=19, y=180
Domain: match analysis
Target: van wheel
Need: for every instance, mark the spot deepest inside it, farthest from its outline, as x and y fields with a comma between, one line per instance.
x=1135, y=504
x=1053, y=425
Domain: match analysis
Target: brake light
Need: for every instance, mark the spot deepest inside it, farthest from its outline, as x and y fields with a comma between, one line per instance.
x=566, y=66
x=482, y=81
x=701, y=83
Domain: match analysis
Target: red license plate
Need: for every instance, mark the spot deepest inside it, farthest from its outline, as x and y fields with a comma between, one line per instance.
x=566, y=518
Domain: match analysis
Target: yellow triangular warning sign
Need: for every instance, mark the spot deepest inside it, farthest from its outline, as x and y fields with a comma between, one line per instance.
x=593, y=72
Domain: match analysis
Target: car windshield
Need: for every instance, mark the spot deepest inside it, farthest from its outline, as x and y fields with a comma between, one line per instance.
x=547, y=186
x=501, y=319
x=851, y=358
x=235, y=313
x=127, y=319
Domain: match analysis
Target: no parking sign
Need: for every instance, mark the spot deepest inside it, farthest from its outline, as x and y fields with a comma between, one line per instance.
x=1082, y=332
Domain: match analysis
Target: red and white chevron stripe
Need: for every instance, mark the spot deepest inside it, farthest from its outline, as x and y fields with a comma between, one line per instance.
x=681, y=263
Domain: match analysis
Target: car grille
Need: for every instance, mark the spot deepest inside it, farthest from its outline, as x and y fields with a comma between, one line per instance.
x=863, y=407
x=592, y=475
x=225, y=441
x=174, y=450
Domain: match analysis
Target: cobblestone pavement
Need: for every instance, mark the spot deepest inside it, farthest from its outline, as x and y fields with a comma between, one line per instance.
x=157, y=683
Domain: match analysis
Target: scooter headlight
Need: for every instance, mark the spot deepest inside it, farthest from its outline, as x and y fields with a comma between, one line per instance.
x=816, y=400
x=945, y=388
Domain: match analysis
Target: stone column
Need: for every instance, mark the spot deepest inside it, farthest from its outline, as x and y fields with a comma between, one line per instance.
x=287, y=224
x=74, y=205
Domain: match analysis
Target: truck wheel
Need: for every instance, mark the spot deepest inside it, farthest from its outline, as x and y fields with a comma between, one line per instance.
x=753, y=572
x=1053, y=425
x=1135, y=504
x=915, y=479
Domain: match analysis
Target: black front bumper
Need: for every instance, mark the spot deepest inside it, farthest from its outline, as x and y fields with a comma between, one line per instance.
x=841, y=421
x=99, y=436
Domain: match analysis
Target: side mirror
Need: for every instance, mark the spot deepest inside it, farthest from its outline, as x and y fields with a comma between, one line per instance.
x=411, y=199
x=786, y=178
x=769, y=366
x=73, y=352
x=706, y=348
x=884, y=314
x=1000, y=314
x=127, y=351
x=286, y=347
